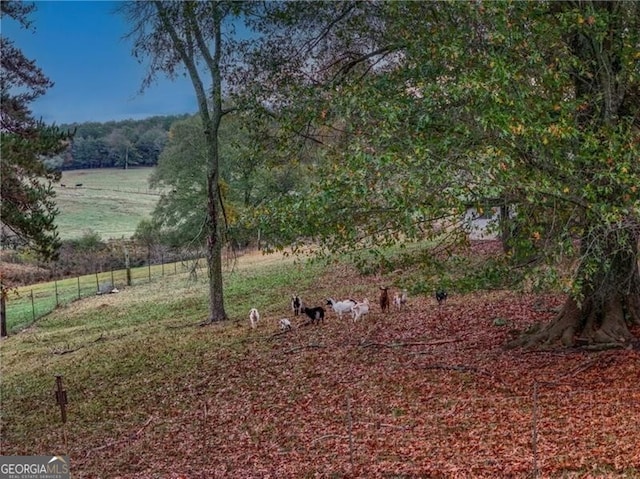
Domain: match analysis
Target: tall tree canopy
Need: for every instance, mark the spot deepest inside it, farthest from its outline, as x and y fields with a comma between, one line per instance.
x=195, y=37
x=28, y=209
x=426, y=108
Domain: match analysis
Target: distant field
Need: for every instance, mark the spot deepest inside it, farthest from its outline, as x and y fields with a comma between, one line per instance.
x=110, y=202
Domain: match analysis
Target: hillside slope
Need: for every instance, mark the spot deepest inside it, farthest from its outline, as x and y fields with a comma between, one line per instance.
x=422, y=392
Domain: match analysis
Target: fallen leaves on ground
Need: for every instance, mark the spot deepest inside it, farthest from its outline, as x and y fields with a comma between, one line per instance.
x=424, y=392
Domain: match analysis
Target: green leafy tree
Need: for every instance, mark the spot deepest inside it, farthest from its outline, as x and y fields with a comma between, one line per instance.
x=122, y=147
x=122, y=143
x=178, y=36
x=181, y=175
x=150, y=144
x=530, y=106
x=28, y=208
x=247, y=180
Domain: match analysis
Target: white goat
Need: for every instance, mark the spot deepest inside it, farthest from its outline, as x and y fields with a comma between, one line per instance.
x=341, y=307
x=400, y=299
x=360, y=309
x=254, y=317
x=396, y=301
x=285, y=324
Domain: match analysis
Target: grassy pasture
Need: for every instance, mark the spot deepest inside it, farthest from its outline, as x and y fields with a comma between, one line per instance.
x=26, y=304
x=110, y=202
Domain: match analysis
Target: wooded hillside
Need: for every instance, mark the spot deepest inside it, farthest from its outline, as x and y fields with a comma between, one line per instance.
x=115, y=143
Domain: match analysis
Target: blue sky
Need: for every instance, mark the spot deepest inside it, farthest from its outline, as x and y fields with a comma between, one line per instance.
x=79, y=45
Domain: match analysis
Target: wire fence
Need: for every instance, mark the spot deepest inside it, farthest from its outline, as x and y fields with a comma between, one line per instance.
x=553, y=430
x=25, y=305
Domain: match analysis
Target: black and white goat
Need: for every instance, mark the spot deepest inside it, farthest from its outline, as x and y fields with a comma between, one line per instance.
x=254, y=317
x=316, y=314
x=341, y=307
x=296, y=304
x=360, y=309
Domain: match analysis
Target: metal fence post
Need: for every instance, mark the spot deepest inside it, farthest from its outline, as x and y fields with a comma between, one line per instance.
x=534, y=432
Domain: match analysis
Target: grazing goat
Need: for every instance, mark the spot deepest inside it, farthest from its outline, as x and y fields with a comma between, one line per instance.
x=285, y=324
x=400, y=299
x=316, y=314
x=441, y=296
x=340, y=307
x=360, y=309
x=254, y=317
x=296, y=304
x=384, y=299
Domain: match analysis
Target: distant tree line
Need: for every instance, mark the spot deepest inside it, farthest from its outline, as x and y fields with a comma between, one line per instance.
x=115, y=144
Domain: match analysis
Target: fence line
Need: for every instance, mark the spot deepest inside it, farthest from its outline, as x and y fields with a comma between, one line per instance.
x=534, y=417
x=483, y=441
x=25, y=305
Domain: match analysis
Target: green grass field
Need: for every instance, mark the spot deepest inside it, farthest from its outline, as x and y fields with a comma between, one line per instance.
x=27, y=304
x=110, y=202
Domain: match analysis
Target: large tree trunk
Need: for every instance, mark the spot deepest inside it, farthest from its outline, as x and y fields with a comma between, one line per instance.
x=178, y=18
x=214, y=254
x=609, y=298
x=609, y=304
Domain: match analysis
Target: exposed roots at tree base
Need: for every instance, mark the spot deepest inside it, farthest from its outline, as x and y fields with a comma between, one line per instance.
x=592, y=327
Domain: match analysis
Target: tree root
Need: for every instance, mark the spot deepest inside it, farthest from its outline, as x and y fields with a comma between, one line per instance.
x=586, y=326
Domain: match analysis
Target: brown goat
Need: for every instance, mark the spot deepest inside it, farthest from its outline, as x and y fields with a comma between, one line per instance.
x=384, y=299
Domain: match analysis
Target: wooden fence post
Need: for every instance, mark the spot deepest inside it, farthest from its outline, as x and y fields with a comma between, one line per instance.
x=61, y=399
x=33, y=307
x=3, y=312
x=534, y=432
x=127, y=265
